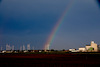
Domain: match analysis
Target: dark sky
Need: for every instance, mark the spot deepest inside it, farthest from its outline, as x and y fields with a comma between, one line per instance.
x=0, y=0
x=98, y=1
x=25, y=22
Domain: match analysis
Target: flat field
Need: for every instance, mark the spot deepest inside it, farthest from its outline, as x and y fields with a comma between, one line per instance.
x=50, y=60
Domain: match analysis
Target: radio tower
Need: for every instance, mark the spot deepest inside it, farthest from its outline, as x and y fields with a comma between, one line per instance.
x=23, y=47
x=20, y=48
x=1, y=48
x=13, y=47
x=28, y=46
x=8, y=47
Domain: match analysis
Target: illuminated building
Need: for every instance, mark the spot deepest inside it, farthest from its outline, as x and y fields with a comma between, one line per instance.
x=93, y=45
x=82, y=49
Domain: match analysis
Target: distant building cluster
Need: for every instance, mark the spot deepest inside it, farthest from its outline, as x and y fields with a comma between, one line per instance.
x=10, y=48
x=93, y=47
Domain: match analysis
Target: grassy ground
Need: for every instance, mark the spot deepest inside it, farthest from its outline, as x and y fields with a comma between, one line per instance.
x=53, y=59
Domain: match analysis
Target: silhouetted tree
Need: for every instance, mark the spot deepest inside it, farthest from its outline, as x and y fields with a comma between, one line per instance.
x=91, y=49
x=52, y=49
x=63, y=50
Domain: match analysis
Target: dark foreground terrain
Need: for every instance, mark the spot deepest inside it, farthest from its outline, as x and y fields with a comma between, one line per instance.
x=50, y=60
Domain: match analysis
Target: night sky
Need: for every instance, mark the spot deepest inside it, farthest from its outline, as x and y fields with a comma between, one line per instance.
x=25, y=22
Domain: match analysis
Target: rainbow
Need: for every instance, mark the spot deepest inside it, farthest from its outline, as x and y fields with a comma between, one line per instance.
x=56, y=27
